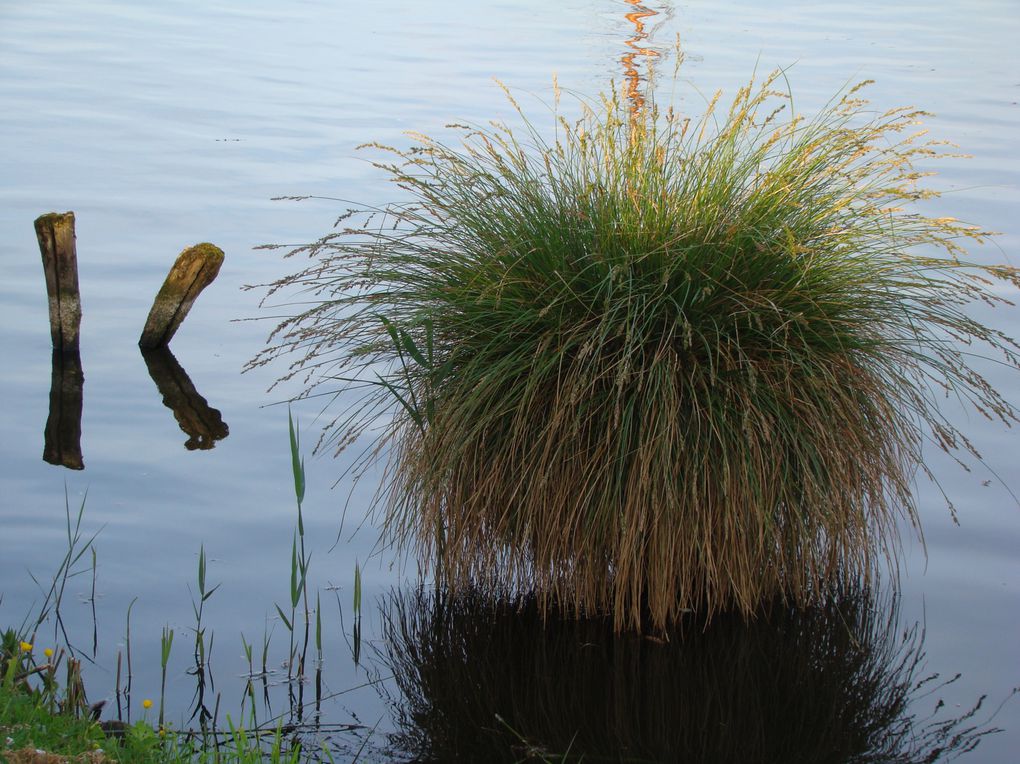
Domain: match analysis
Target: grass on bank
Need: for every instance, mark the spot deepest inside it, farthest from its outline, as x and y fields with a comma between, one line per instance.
x=653, y=363
x=43, y=722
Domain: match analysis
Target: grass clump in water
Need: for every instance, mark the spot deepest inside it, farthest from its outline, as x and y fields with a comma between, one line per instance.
x=654, y=363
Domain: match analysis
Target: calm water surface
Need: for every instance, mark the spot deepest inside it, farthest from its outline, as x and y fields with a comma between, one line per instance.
x=165, y=124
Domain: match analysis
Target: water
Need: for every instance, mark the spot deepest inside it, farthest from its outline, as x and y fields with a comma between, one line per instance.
x=165, y=124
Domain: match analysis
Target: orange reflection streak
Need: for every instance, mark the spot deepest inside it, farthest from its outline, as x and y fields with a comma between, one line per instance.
x=632, y=76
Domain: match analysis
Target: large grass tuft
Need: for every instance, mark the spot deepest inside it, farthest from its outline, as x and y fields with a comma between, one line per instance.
x=652, y=364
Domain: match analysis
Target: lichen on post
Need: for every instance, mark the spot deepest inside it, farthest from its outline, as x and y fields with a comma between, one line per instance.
x=55, y=232
x=196, y=267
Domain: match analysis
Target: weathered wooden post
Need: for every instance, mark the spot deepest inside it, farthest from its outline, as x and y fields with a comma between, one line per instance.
x=200, y=421
x=194, y=270
x=55, y=232
x=62, y=437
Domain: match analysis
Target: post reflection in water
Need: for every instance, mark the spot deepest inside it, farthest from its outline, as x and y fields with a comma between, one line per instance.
x=484, y=679
x=198, y=420
x=62, y=436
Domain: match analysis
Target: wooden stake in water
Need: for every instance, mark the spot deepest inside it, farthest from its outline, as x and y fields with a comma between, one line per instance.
x=195, y=269
x=55, y=232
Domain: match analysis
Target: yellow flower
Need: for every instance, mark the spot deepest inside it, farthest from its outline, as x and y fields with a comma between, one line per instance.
x=26, y=647
x=146, y=703
x=48, y=652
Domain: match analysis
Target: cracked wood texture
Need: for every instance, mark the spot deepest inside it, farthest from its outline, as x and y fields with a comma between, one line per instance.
x=55, y=232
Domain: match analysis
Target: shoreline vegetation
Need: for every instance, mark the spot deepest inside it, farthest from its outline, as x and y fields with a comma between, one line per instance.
x=46, y=716
x=642, y=363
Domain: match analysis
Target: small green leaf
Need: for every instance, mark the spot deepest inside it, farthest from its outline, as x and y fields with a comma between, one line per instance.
x=284, y=618
x=318, y=623
x=297, y=463
x=407, y=406
x=430, y=346
x=412, y=349
x=357, y=589
x=201, y=570
x=295, y=590
x=165, y=643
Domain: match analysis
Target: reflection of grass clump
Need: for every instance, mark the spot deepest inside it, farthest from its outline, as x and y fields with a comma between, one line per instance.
x=655, y=363
x=485, y=679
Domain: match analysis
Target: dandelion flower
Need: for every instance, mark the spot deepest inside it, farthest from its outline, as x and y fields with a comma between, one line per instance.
x=146, y=703
x=48, y=652
x=26, y=647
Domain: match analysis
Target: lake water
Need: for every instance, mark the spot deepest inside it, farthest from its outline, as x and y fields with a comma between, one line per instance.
x=165, y=124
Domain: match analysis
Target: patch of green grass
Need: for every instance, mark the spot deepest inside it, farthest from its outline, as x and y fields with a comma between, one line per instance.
x=39, y=722
x=26, y=723
x=654, y=363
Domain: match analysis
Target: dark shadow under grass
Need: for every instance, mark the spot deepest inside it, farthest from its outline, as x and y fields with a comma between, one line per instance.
x=494, y=679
